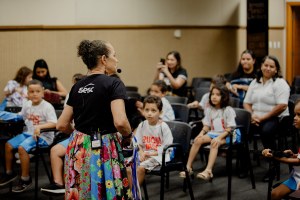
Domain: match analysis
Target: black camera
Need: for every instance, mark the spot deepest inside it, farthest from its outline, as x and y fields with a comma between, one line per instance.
x=163, y=61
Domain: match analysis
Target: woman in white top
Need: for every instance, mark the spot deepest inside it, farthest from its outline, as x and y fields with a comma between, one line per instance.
x=267, y=100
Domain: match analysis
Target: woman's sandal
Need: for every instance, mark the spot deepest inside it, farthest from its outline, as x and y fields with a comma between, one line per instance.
x=189, y=170
x=206, y=175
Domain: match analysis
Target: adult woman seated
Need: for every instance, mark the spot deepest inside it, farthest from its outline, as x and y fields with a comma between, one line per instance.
x=245, y=73
x=267, y=100
x=51, y=84
x=174, y=75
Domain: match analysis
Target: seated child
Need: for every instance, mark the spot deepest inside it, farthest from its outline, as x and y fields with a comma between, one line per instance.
x=219, y=120
x=293, y=183
x=38, y=114
x=151, y=134
x=204, y=103
x=159, y=88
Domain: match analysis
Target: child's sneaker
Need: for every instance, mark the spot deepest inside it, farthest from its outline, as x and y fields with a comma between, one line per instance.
x=5, y=179
x=22, y=186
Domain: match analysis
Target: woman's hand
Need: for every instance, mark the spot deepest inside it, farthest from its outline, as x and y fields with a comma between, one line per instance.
x=159, y=66
x=164, y=69
x=288, y=151
x=47, y=91
x=255, y=120
x=194, y=104
x=267, y=153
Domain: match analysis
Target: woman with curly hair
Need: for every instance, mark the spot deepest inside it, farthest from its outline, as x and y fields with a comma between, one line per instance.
x=94, y=163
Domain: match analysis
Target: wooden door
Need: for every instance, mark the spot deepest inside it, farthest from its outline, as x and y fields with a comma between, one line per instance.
x=293, y=41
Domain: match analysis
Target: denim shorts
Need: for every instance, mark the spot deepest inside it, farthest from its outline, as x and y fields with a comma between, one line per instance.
x=290, y=183
x=214, y=135
x=64, y=143
x=26, y=141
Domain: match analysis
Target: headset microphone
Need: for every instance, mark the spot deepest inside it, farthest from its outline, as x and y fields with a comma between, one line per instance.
x=119, y=70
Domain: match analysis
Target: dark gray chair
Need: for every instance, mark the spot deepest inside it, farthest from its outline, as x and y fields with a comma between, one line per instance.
x=133, y=95
x=132, y=88
x=181, y=143
x=234, y=102
x=177, y=99
x=243, y=120
x=201, y=82
x=181, y=112
x=294, y=97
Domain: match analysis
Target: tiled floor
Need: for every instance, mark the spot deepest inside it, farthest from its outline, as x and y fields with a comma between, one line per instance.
x=215, y=190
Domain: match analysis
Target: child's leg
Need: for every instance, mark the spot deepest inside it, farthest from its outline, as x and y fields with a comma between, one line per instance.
x=57, y=163
x=279, y=192
x=25, y=161
x=214, y=147
x=195, y=148
x=8, y=157
x=141, y=172
x=23, y=149
x=10, y=145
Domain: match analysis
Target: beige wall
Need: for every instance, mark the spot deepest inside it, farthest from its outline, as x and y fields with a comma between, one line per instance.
x=123, y=12
x=205, y=52
x=213, y=35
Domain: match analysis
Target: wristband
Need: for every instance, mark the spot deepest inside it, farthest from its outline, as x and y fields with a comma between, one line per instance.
x=127, y=136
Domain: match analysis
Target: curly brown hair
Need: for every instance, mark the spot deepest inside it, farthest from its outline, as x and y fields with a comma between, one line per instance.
x=91, y=51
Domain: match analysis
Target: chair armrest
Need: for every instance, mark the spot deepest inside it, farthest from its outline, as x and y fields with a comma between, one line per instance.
x=48, y=129
x=178, y=147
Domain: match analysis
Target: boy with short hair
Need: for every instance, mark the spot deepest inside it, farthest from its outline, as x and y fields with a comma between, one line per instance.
x=38, y=114
x=159, y=88
x=151, y=134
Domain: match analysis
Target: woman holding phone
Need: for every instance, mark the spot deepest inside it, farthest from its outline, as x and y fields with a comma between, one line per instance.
x=172, y=72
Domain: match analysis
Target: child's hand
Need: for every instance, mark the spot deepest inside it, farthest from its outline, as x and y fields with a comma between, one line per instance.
x=194, y=104
x=142, y=156
x=37, y=132
x=216, y=142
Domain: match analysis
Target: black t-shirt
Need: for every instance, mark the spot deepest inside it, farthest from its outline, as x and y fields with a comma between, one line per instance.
x=182, y=91
x=50, y=84
x=91, y=98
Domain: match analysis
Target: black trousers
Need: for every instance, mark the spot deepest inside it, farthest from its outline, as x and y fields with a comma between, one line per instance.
x=267, y=130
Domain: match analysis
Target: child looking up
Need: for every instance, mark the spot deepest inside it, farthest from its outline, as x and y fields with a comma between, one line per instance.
x=38, y=114
x=151, y=134
x=219, y=120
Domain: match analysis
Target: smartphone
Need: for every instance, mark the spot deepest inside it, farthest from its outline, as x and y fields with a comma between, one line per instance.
x=162, y=60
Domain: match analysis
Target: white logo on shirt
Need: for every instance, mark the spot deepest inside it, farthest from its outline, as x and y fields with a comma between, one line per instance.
x=87, y=89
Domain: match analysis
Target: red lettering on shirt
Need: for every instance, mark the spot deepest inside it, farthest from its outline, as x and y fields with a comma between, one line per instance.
x=151, y=142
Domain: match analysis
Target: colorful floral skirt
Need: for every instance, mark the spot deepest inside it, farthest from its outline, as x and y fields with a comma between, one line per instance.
x=95, y=174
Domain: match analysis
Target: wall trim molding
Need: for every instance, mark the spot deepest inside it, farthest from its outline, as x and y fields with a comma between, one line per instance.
x=105, y=27
x=96, y=27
